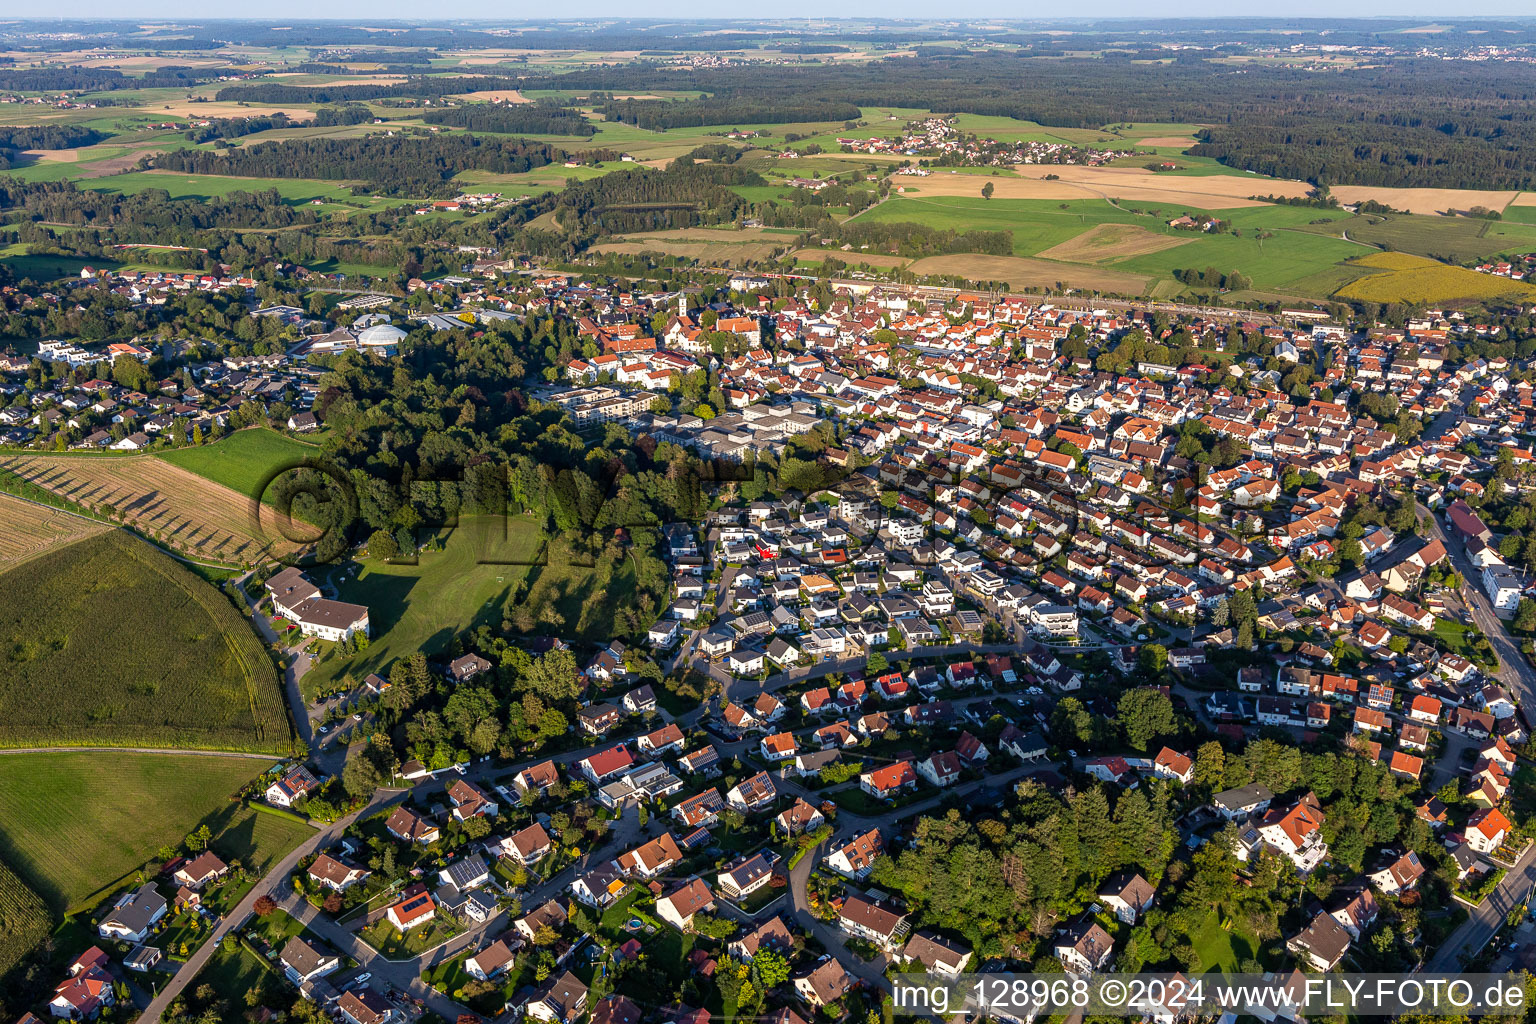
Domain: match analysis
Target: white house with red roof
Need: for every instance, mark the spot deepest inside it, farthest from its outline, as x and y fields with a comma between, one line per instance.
x=1296, y=832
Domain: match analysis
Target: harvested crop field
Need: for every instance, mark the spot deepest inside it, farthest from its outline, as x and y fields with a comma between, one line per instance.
x=1133, y=184
x=496, y=96
x=108, y=642
x=1425, y=200
x=1167, y=140
x=182, y=510
x=1524, y=199
x=704, y=252
x=1020, y=272
x=27, y=530
x=1406, y=278
x=229, y=108
x=1205, y=192
x=1106, y=243
x=53, y=156
x=853, y=259
x=707, y=245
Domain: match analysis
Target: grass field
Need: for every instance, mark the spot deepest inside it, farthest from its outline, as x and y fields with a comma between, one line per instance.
x=198, y=517
x=1128, y=245
x=1407, y=278
x=26, y=530
x=110, y=810
x=421, y=607
x=243, y=461
x=108, y=642
x=256, y=839
x=1458, y=239
x=208, y=186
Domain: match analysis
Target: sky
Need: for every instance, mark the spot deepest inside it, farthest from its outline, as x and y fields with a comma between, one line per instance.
x=498, y=9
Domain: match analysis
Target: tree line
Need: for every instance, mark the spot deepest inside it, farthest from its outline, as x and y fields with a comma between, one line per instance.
x=514, y=119
x=660, y=115
x=398, y=165
x=907, y=239
x=424, y=87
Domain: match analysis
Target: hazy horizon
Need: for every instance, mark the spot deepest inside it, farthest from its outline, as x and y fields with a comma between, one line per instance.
x=397, y=10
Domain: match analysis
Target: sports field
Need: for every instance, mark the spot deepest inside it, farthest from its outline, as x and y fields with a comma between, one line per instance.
x=108, y=642
x=243, y=461
x=111, y=812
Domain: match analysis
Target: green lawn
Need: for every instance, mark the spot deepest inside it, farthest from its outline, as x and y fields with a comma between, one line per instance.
x=385, y=938
x=276, y=928
x=245, y=460
x=71, y=823
x=1223, y=949
x=257, y=839
x=471, y=581
x=420, y=607
x=233, y=974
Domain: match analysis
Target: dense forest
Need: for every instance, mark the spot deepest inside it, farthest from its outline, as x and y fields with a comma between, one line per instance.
x=398, y=165
x=60, y=136
x=683, y=195
x=427, y=87
x=660, y=115
x=521, y=118
x=59, y=79
x=907, y=239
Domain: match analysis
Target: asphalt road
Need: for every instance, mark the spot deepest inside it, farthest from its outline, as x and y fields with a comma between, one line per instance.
x=237, y=917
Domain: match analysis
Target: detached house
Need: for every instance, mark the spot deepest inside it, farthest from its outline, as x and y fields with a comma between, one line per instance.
x=874, y=922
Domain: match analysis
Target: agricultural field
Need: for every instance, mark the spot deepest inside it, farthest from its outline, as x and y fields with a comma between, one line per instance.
x=1425, y=200
x=1020, y=272
x=75, y=801
x=27, y=530
x=209, y=186
x=1456, y=239
x=24, y=919
x=195, y=516
x=707, y=245
x=1406, y=278
x=1133, y=241
x=243, y=461
x=1108, y=243
x=108, y=642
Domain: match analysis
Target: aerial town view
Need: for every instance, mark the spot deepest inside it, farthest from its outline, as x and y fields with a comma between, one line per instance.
x=731, y=517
